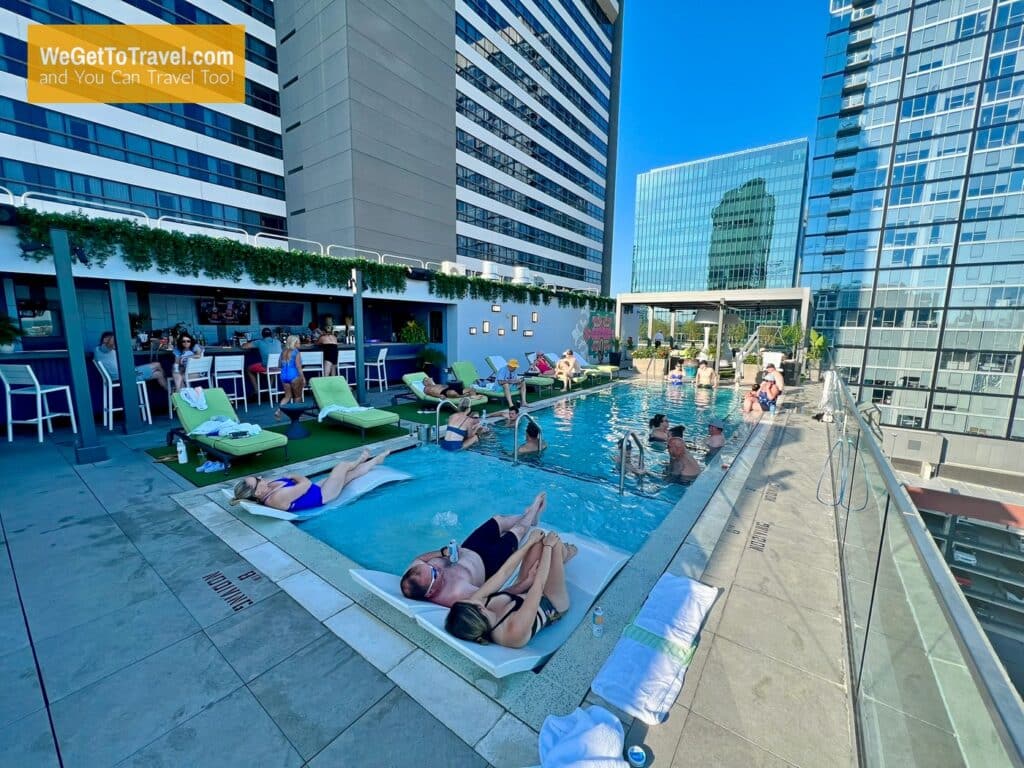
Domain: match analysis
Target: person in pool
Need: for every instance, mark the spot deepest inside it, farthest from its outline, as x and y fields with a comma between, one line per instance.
x=675, y=376
x=706, y=377
x=462, y=429
x=682, y=467
x=659, y=428
x=295, y=493
x=434, y=577
x=533, y=443
x=511, y=617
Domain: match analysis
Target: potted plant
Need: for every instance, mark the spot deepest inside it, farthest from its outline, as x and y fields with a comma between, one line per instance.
x=815, y=352
x=9, y=333
x=643, y=359
x=751, y=367
x=413, y=333
x=615, y=356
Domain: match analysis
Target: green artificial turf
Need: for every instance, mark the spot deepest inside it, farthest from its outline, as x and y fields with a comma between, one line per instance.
x=323, y=439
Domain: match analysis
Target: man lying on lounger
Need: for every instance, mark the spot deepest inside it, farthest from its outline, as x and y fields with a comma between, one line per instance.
x=452, y=389
x=433, y=577
x=295, y=493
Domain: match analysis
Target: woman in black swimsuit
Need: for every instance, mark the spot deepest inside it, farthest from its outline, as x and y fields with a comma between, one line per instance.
x=510, y=617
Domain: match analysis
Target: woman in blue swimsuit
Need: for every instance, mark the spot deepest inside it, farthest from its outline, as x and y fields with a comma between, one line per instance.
x=295, y=493
x=293, y=383
x=512, y=616
x=462, y=428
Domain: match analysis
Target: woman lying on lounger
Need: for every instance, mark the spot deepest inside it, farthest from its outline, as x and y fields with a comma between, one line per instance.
x=295, y=493
x=507, y=617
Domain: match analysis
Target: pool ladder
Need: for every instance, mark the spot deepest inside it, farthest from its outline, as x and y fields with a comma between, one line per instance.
x=437, y=417
x=515, y=434
x=623, y=464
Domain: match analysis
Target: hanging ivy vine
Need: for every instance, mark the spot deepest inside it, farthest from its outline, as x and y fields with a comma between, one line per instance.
x=144, y=248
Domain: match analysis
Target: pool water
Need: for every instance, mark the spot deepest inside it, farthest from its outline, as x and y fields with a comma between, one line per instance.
x=582, y=433
x=452, y=493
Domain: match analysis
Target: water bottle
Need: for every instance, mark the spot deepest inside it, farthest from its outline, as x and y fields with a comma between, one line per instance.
x=483, y=415
x=182, y=452
x=597, y=624
x=453, y=552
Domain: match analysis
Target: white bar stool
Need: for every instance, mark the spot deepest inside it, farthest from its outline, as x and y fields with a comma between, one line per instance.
x=271, y=375
x=21, y=380
x=231, y=368
x=347, y=362
x=380, y=370
x=109, y=385
x=312, y=362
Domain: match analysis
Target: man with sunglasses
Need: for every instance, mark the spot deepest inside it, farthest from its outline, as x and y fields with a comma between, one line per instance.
x=435, y=578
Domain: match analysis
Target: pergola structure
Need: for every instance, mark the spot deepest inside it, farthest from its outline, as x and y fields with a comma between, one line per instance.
x=718, y=301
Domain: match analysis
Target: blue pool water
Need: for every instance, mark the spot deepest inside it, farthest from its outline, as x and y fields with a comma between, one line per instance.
x=451, y=493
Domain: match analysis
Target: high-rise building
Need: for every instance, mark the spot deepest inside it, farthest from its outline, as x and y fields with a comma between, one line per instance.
x=729, y=222
x=915, y=241
x=216, y=164
x=473, y=131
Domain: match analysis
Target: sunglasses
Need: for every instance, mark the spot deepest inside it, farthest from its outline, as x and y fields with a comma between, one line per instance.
x=433, y=577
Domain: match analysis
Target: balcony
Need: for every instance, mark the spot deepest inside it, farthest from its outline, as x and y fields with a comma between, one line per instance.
x=848, y=126
x=844, y=169
x=860, y=38
x=861, y=16
x=852, y=103
x=855, y=82
x=858, y=60
x=845, y=188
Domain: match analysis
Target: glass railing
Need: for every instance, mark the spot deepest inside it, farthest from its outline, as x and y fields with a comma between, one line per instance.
x=927, y=687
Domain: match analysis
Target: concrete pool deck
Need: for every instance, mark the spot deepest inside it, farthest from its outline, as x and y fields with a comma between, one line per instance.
x=132, y=604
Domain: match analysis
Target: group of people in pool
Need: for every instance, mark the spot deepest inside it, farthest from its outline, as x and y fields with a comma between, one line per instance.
x=464, y=429
x=681, y=467
x=472, y=582
x=705, y=378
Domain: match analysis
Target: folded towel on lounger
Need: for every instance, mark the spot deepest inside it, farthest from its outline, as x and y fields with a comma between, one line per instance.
x=195, y=397
x=335, y=408
x=644, y=674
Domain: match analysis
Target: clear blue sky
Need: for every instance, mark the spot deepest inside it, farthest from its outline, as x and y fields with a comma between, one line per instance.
x=705, y=78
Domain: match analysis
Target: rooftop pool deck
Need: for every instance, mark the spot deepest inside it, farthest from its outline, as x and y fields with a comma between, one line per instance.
x=682, y=532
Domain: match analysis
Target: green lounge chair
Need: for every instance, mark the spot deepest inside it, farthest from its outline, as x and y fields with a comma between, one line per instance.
x=218, y=405
x=414, y=381
x=611, y=371
x=334, y=390
x=466, y=372
x=497, y=362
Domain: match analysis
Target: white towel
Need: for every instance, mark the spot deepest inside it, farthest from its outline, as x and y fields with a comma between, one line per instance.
x=214, y=426
x=587, y=738
x=645, y=671
x=328, y=410
x=195, y=397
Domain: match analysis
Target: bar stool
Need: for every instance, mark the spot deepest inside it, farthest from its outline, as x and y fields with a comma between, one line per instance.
x=380, y=370
x=231, y=368
x=312, y=362
x=272, y=373
x=197, y=371
x=347, y=362
x=109, y=385
x=21, y=380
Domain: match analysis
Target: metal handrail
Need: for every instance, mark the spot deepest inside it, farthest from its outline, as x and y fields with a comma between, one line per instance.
x=359, y=252
x=622, y=461
x=10, y=195
x=515, y=433
x=181, y=220
x=401, y=259
x=998, y=693
x=75, y=201
x=287, y=239
x=437, y=417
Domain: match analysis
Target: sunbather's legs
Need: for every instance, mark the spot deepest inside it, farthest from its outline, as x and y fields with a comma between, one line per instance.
x=531, y=561
x=508, y=393
x=347, y=471
x=554, y=587
x=520, y=524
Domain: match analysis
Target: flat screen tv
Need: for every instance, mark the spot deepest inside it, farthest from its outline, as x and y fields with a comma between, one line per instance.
x=280, y=312
x=224, y=312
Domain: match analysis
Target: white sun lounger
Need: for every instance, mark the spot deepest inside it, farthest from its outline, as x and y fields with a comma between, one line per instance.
x=586, y=576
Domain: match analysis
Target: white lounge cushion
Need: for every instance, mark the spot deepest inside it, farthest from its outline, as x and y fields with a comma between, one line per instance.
x=352, y=491
x=388, y=587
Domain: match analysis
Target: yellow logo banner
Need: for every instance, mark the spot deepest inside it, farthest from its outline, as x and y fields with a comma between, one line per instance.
x=136, y=63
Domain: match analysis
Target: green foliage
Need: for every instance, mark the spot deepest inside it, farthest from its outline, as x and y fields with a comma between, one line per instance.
x=752, y=359
x=9, y=332
x=690, y=353
x=792, y=336
x=460, y=287
x=144, y=248
x=643, y=353
x=432, y=356
x=413, y=333
x=691, y=330
x=737, y=334
x=819, y=344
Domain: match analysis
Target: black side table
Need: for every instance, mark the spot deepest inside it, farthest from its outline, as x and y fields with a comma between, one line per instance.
x=295, y=410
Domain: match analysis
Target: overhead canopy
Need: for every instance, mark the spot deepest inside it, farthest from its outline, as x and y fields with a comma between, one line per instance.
x=732, y=300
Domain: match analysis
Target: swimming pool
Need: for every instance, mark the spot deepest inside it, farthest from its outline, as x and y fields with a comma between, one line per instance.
x=582, y=433
x=451, y=493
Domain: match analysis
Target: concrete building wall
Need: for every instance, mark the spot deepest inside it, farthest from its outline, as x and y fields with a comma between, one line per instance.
x=369, y=138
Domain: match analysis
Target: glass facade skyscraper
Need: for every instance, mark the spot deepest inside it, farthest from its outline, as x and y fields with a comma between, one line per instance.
x=915, y=241
x=727, y=222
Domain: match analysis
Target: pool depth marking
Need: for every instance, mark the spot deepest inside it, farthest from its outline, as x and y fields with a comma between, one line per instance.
x=759, y=537
x=227, y=590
